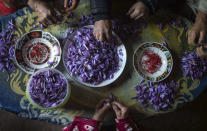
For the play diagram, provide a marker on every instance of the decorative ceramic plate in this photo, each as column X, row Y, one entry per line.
column 122, row 62
column 153, row 61
column 36, row 50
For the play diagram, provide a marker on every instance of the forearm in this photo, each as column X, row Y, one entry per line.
column 201, row 16
column 154, row 5
column 126, row 124
column 101, row 9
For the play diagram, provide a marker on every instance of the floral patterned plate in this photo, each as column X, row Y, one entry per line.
column 36, row 50
column 153, row 61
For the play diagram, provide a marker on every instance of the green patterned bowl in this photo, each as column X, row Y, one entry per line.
column 65, row 100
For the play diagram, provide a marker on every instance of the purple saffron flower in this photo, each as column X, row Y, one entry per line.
column 126, row 28
column 7, row 48
column 48, row 88
column 193, row 66
column 91, row 60
column 70, row 3
column 159, row 96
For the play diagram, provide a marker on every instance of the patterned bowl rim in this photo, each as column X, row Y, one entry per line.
column 135, row 67
column 34, row 70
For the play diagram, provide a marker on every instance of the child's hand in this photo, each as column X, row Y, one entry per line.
column 120, row 110
column 73, row 6
column 45, row 12
column 102, row 30
column 101, row 109
column 137, row 11
column 197, row 34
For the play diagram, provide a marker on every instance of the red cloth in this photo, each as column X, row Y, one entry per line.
column 80, row 124
column 126, row 125
column 5, row 10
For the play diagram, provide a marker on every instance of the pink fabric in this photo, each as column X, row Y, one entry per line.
column 5, row 10
column 126, row 125
column 80, row 124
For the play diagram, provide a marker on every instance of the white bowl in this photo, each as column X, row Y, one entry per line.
column 116, row 74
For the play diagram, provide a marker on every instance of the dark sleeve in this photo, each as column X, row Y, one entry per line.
column 154, row 5
column 101, row 9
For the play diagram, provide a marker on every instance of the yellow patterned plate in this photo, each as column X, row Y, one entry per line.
column 153, row 61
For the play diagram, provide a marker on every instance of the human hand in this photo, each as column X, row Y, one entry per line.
column 202, row 51
column 47, row 14
column 120, row 110
column 71, row 4
column 102, row 30
column 101, row 108
column 137, row 10
column 197, row 33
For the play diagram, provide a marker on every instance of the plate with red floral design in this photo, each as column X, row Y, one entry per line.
column 153, row 61
column 37, row 50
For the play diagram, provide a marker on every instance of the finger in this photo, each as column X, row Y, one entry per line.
column 130, row 10
column 118, row 104
column 55, row 16
column 139, row 16
column 102, row 37
column 199, row 51
column 73, row 6
column 100, row 104
column 44, row 22
column 66, row 3
column 134, row 14
column 108, row 35
column 97, row 36
column 116, row 110
column 49, row 21
column 192, row 38
column 202, row 37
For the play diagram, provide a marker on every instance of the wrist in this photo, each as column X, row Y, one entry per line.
column 96, row 118
column 32, row 4
column 201, row 16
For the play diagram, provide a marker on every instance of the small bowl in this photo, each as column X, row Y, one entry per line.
column 35, row 104
column 117, row 74
column 160, row 50
column 37, row 50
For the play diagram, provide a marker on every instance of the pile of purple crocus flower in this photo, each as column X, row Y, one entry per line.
column 159, row 96
column 7, row 48
column 92, row 60
column 48, row 88
column 193, row 66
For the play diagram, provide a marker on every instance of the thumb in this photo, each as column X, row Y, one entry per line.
column 105, row 108
column 116, row 109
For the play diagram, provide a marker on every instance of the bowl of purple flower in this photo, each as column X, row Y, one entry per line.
column 91, row 62
column 48, row 89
